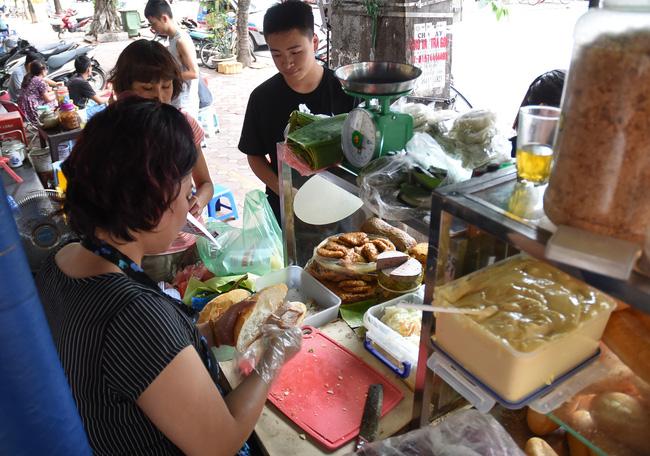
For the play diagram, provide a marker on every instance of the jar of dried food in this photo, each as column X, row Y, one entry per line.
column 601, row 178
column 68, row 117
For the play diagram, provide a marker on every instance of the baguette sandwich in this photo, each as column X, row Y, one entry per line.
column 237, row 318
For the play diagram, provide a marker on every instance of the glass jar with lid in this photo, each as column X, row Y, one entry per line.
column 601, row 177
column 68, row 117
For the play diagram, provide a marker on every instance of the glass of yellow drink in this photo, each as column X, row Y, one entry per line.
column 536, row 131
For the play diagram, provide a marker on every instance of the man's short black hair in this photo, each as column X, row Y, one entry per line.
column 81, row 64
column 292, row 14
column 158, row 8
column 31, row 57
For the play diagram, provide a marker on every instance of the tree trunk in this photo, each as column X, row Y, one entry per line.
column 106, row 18
column 57, row 7
column 32, row 13
column 243, row 50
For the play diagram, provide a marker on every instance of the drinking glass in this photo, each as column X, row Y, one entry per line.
column 535, row 135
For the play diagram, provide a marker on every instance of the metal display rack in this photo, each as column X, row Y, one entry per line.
column 493, row 204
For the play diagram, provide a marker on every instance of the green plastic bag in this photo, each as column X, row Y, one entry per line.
column 255, row 248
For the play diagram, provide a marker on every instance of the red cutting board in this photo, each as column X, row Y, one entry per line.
column 323, row 390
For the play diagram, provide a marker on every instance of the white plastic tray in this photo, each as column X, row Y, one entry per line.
column 303, row 287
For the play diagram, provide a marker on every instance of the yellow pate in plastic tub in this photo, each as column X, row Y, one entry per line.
column 542, row 324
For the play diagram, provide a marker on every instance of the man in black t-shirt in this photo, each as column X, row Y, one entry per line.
column 289, row 32
column 78, row 86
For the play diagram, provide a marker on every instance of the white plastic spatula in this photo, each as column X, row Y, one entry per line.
column 201, row 228
column 484, row 313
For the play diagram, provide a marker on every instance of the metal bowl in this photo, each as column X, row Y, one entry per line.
column 378, row 78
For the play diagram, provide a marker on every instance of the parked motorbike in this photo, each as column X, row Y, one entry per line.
column 205, row 43
column 61, row 66
column 17, row 55
column 69, row 22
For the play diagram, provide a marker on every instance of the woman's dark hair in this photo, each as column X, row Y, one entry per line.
column 546, row 89
column 126, row 168
column 35, row 69
column 145, row 61
column 292, row 14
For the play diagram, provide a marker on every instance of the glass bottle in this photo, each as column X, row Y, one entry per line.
column 601, row 178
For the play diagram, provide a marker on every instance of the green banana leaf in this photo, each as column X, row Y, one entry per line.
column 217, row 285
column 319, row 143
column 299, row 120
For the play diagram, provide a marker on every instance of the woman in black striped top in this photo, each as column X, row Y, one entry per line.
column 134, row 359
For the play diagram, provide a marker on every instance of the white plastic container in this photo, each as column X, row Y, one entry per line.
column 404, row 354
column 304, row 288
column 510, row 373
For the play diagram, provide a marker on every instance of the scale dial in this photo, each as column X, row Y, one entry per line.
column 359, row 138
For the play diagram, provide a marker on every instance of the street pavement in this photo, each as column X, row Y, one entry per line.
column 493, row 64
column 228, row 166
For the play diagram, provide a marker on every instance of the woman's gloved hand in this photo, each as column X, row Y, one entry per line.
column 267, row 355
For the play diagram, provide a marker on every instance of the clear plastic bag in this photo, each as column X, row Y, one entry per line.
column 465, row 433
column 473, row 138
column 270, row 352
column 255, row 248
column 379, row 187
column 426, row 152
column 381, row 181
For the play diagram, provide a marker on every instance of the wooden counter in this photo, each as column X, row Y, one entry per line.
column 279, row 436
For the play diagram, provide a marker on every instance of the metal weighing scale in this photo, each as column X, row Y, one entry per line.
column 374, row 130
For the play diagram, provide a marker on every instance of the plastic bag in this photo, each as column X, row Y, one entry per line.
column 379, row 186
column 255, row 248
column 465, row 433
column 381, row 182
column 428, row 153
column 270, row 352
column 472, row 137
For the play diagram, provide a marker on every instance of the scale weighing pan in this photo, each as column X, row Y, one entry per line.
column 378, row 78
column 374, row 130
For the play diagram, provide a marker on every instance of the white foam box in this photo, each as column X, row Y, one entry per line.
column 510, row 373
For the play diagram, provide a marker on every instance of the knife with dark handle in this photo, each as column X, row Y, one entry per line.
column 371, row 414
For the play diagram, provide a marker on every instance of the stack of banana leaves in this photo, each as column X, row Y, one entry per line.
column 316, row 140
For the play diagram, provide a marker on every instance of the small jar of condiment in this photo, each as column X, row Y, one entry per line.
column 62, row 95
column 68, row 117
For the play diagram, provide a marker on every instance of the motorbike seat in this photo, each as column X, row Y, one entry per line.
column 57, row 61
column 200, row 35
column 58, row 49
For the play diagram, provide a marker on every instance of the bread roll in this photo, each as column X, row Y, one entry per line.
column 215, row 308
column 629, row 338
column 540, row 424
column 576, row 447
column 538, row 447
column 622, row 417
column 249, row 323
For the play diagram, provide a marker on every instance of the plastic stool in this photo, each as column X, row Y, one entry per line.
column 209, row 121
column 215, row 204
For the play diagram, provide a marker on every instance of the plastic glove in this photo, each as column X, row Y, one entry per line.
column 268, row 354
